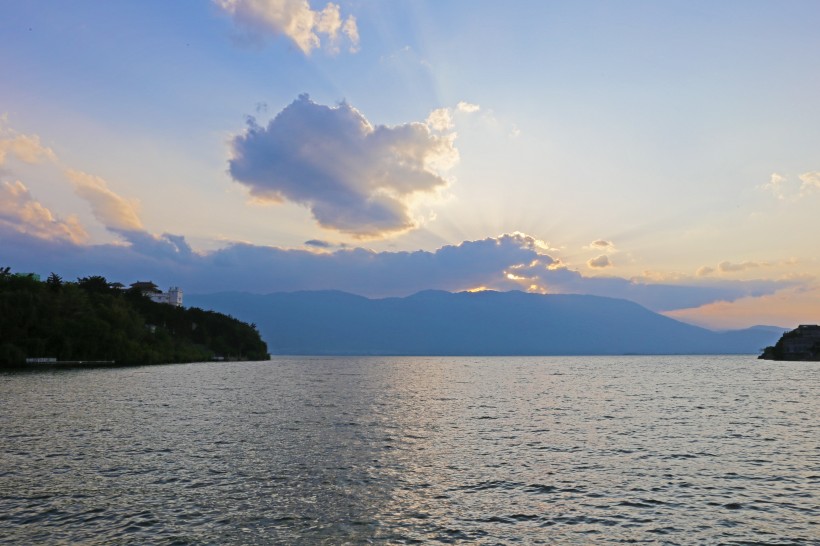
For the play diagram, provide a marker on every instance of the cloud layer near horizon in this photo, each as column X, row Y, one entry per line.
column 513, row 261
column 354, row 177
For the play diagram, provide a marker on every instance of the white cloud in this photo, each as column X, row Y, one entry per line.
column 737, row 267
column 729, row 267
column 113, row 211
column 351, row 30
column 602, row 245
column 810, row 182
column 776, row 185
column 20, row 212
column 649, row 276
column 26, row 148
column 467, row 107
column 296, row 20
column 440, row 119
column 354, row 177
column 704, row 271
column 600, row 262
column 784, row 190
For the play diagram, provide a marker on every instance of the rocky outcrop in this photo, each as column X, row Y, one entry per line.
column 802, row 343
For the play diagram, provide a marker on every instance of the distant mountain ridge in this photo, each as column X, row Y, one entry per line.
column 472, row 323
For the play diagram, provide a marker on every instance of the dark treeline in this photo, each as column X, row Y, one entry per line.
column 92, row 319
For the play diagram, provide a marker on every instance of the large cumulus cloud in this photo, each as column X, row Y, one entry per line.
column 354, row 177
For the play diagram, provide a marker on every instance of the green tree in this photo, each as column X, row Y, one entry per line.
column 95, row 283
column 93, row 320
column 54, row 281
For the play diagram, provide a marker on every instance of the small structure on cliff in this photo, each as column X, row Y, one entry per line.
column 172, row 297
column 802, row 343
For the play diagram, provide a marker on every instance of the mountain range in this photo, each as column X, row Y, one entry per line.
column 472, row 323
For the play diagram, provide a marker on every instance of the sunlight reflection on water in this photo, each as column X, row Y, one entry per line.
column 399, row 450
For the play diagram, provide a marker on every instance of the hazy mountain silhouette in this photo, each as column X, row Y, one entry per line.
column 480, row 323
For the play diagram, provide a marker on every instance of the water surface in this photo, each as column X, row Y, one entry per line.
column 670, row 450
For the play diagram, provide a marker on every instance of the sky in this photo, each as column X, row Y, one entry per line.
column 663, row 152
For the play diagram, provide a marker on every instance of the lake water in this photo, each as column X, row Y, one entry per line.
column 556, row 450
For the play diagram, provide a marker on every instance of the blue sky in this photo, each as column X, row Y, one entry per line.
column 660, row 151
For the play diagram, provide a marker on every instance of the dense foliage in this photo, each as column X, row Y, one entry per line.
column 92, row 319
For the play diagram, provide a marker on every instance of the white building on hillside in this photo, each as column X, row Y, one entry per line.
column 172, row 297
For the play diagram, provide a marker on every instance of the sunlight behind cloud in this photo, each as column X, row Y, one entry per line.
column 296, row 20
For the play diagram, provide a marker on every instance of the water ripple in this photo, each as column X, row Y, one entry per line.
column 671, row 450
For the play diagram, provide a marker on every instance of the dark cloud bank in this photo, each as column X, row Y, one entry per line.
column 168, row 259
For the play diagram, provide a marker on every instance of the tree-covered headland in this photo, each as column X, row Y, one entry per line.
column 802, row 343
column 94, row 319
